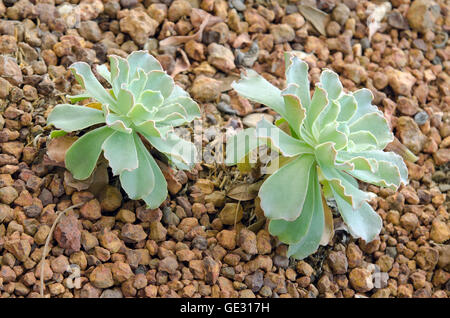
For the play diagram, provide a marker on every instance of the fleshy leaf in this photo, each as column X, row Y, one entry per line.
column 159, row 192
column 120, row 151
column 163, row 112
column 191, row 108
column 176, row 92
column 348, row 107
column 381, row 156
column 377, row 125
column 297, row 73
column 363, row 140
column 363, row 222
column 331, row 83
column 282, row 195
column 325, row 156
column 292, row 232
column 72, row 117
column 161, row 82
column 144, row 61
column 148, row 128
column 311, row 241
column 139, row 114
column 318, row 103
column 117, row 122
column 294, row 111
column 257, row 89
column 125, row 100
column 104, row 72
column 139, row 182
column 331, row 133
column 363, row 99
column 83, row 74
column 119, row 72
column 137, row 84
column 280, row 141
column 82, row 156
column 151, row 99
column 176, row 147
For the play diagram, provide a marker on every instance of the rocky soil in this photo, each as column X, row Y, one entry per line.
column 209, row 238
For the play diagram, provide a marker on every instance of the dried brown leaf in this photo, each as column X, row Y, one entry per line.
column 245, row 191
column 181, row 64
column 316, row 17
column 400, row 149
column 197, row 15
column 328, row 231
column 57, row 148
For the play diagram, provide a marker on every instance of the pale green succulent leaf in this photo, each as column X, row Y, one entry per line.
column 363, row 99
column 104, row 72
column 176, row 92
column 294, row 111
column 116, row 122
column 329, row 81
column 297, row 73
column 137, row 84
column 282, row 195
column 164, row 111
column 318, row 103
column 292, row 232
column 119, row 73
column 328, row 115
column 120, row 151
column 191, row 107
column 348, row 106
column 139, row 114
column 159, row 192
column 151, row 99
column 386, row 175
column 173, row 119
column 175, row 148
column 73, row 117
column 82, row 156
column 377, row 125
column 326, row 157
column 363, row 140
column 362, row 222
column 139, row 182
column 311, row 241
column 161, row 82
column 382, row 156
column 257, row 89
column 280, row 141
column 84, row 76
column 148, row 128
column 125, row 100
column 331, row 133
column 144, row 61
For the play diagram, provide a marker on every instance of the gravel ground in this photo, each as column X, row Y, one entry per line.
column 209, row 238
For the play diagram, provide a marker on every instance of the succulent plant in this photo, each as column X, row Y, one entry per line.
column 331, row 138
column 143, row 101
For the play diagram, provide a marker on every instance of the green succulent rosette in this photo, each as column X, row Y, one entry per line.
column 332, row 139
column 142, row 101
